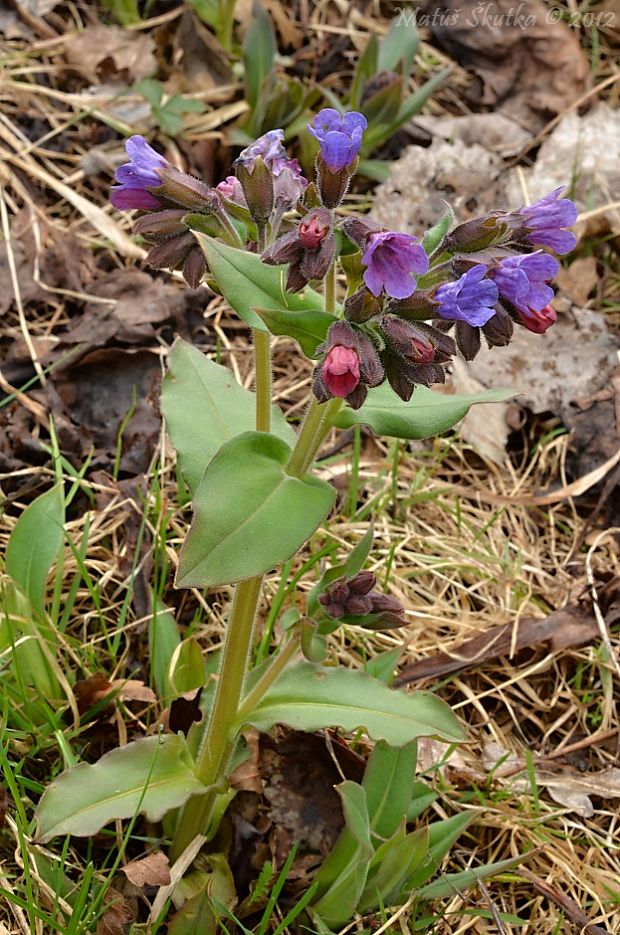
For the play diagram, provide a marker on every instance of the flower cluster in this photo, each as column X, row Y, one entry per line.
column 482, row 278
column 355, row 600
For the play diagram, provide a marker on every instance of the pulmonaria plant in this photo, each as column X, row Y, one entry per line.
column 264, row 239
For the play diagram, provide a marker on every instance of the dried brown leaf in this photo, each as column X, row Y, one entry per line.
column 152, row 870
column 104, row 53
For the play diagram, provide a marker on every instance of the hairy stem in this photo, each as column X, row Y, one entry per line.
column 262, row 358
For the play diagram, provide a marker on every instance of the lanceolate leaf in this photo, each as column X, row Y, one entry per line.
column 427, row 413
column 35, row 543
column 248, row 283
column 250, row 515
column 309, row 697
column 205, row 407
column 152, row 776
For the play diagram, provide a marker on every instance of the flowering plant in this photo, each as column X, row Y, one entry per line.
column 261, row 238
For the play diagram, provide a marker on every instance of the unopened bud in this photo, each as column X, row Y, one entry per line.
column 341, row 370
column 358, row 605
column 184, row 190
column 478, row 233
column 332, row 186
column 359, row 229
column 538, row 322
column 194, row 267
column 362, row 582
column 161, row 223
column 361, row 306
column 257, row 187
column 170, row 253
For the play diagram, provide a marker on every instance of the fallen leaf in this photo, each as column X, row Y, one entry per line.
column 528, row 67
column 578, row 280
column 563, row 629
column 88, row 692
column 134, row 690
column 104, row 53
column 152, row 870
column 246, row 777
column 120, row 912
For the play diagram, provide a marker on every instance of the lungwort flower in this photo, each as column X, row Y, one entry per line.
column 349, row 366
column 340, row 136
column 471, row 298
column 545, row 220
column 524, row 280
column 390, row 259
column 137, row 177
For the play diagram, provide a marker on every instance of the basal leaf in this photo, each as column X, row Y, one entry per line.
column 152, row 776
column 35, row 543
column 248, row 283
column 426, row 414
column 205, row 407
column 250, row 515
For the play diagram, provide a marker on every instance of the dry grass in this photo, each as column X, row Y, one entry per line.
column 460, row 563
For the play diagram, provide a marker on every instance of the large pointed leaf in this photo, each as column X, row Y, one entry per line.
column 454, row 883
column 250, row 515
column 35, row 543
column 205, row 407
column 426, row 414
column 309, row 697
column 248, row 283
column 308, row 326
column 152, row 775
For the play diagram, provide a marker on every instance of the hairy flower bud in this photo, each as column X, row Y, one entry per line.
column 361, row 306
column 350, row 364
column 313, row 230
column 257, row 184
column 341, row 370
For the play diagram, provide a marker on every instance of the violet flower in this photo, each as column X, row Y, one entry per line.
column 340, row 136
column 390, row 259
column 546, row 219
column 471, row 298
column 523, row 280
column 137, row 176
column 267, row 147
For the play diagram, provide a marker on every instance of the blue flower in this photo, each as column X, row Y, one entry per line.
column 390, row 258
column 545, row 220
column 340, row 136
column 523, row 280
column 471, row 298
column 137, row 176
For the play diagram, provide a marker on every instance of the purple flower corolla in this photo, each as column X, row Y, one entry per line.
column 471, row 298
column 390, row 259
column 340, row 136
column 268, row 147
column 523, row 280
column 137, row 176
column 545, row 220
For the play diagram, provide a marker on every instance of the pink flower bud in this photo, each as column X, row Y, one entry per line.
column 341, row 370
column 538, row 322
column 422, row 352
column 312, row 232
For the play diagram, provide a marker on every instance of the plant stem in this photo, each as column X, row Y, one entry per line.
column 217, row 742
column 227, row 19
column 330, row 290
column 284, row 656
column 262, row 359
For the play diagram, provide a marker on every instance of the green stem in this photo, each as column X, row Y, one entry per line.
column 218, row 740
column 227, row 20
column 262, row 358
column 330, row 290
column 284, row 656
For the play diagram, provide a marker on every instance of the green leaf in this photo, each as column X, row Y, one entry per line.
column 187, row 667
column 150, row 89
column 125, row 11
column 438, row 231
column 388, row 781
column 35, row 543
column 164, row 638
column 400, row 44
column 441, row 836
column 342, row 875
column 310, row 697
column 382, row 666
column 356, row 559
column 250, row 515
column 394, row 860
column 205, row 407
column 308, row 327
column 259, row 49
column 376, row 169
column 426, row 414
column 454, row 883
column 150, row 776
column 207, row 10
column 421, row 798
column 366, row 67
column 248, row 283
column 377, row 135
